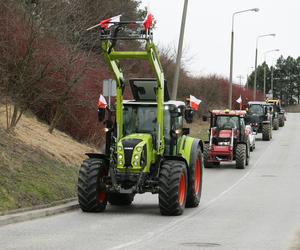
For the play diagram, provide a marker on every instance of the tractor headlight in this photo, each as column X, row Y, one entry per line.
column 120, row 162
column 120, row 148
column 135, row 163
column 139, row 149
column 120, row 157
column 136, row 157
column 225, row 143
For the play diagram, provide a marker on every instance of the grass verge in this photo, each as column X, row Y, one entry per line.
column 29, row 177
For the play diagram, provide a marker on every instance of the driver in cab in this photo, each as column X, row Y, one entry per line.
column 228, row 124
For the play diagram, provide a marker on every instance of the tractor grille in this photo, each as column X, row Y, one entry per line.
column 254, row 119
column 128, row 146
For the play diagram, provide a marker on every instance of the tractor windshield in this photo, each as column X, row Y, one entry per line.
column 143, row 119
column 226, row 122
column 256, row 109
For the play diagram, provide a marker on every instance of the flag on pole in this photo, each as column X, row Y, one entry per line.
column 148, row 21
column 239, row 100
column 194, row 102
column 102, row 104
column 105, row 24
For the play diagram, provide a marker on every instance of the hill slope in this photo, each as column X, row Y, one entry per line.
column 35, row 166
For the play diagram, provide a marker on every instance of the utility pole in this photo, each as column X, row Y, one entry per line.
column 265, row 76
column 272, row 80
column 179, row 51
column 240, row 77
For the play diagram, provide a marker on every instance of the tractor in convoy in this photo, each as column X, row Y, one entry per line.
column 260, row 117
column 228, row 139
column 147, row 147
column 279, row 110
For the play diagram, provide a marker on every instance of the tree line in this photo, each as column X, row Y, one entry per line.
column 285, row 75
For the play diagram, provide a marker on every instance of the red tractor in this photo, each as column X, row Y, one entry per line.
column 228, row 139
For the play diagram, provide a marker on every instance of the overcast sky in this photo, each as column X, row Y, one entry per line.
column 208, row 31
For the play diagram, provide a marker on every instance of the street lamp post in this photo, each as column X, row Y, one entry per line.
column 231, row 53
column 265, row 73
column 255, row 67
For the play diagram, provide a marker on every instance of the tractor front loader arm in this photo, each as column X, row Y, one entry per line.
column 150, row 55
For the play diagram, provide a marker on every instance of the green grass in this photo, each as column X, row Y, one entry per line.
column 199, row 129
column 29, row 177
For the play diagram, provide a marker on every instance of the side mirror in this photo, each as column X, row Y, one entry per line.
column 189, row 115
column 101, row 115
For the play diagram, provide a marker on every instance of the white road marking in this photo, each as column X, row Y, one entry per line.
column 172, row 225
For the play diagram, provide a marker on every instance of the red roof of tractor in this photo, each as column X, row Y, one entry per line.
column 228, row 112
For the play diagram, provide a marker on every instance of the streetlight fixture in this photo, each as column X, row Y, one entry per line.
column 231, row 53
column 265, row 73
column 255, row 67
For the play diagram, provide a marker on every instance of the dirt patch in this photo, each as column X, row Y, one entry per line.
column 57, row 145
column 198, row 129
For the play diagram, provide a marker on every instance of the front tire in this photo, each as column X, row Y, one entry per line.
column 205, row 156
column 172, row 187
column 241, row 156
column 91, row 188
column 266, row 132
column 281, row 121
column 276, row 124
column 195, row 179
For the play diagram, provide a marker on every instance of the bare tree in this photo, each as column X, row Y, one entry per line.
column 23, row 72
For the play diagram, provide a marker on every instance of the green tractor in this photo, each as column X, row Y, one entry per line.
column 147, row 148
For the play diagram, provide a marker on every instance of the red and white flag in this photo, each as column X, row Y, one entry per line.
column 105, row 24
column 102, row 104
column 194, row 102
column 239, row 100
column 148, row 21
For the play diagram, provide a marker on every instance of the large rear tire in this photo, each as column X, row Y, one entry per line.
column 195, row 179
column 172, row 187
column 116, row 199
column 266, row 132
column 241, row 156
column 90, row 188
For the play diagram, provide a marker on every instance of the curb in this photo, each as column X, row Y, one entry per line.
column 36, row 213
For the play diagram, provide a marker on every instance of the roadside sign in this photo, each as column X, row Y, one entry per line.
column 109, row 87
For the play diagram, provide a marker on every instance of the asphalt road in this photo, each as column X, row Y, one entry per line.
column 254, row 208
